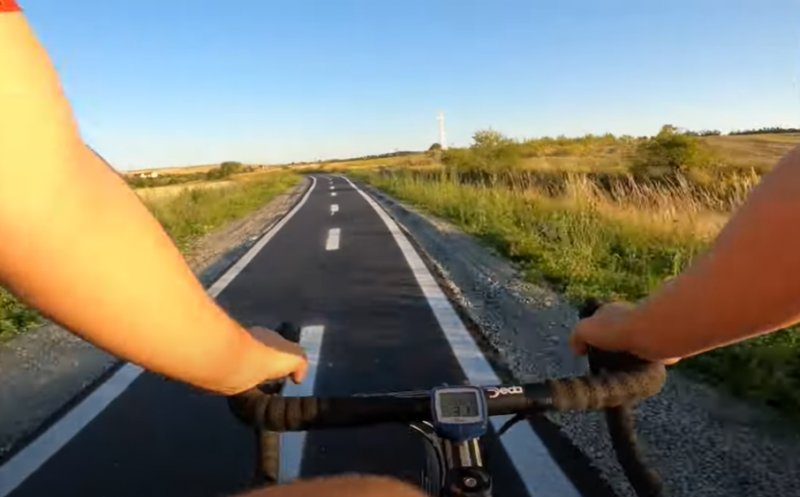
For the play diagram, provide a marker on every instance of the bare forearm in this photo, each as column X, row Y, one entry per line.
column 746, row 285
column 79, row 246
column 93, row 259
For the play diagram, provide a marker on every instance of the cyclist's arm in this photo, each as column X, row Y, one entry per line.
column 746, row 285
column 76, row 243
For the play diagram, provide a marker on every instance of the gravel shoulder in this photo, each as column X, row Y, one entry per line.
column 702, row 441
column 47, row 369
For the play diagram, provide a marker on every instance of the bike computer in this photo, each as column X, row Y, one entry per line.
column 459, row 413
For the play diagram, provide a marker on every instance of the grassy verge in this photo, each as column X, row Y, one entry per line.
column 186, row 216
column 584, row 243
column 194, row 212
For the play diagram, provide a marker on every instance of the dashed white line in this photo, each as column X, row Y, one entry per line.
column 535, row 466
column 17, row 469
column 333, row 187
column 332, row 243
column 334, row 209
column 333, row 194
column 293, row 443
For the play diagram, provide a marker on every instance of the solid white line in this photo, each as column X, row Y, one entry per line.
column 17, row 469
column 535, row 467
column 293, row 443
column 24, row 463
column 334, row 209
column 332, row 243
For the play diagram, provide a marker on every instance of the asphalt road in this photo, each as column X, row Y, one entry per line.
column 341, row 273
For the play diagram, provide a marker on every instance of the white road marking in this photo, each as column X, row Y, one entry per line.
column 535, row 467
column 17, row 469
column 332, row 187
column 293, row 443
column 332, row 243
column 25, row 462
column 333, row 194
column 334, row 209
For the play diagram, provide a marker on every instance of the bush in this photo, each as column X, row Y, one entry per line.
column 490, row 154
column 670, row 153
column 225, row 170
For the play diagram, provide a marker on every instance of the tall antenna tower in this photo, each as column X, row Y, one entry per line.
column 442, row 137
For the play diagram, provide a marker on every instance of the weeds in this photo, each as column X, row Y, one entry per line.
column 15, row 318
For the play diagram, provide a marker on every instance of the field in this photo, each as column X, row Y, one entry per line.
column 186, row 211
column 612, row 218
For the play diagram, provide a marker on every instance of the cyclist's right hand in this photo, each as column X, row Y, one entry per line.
column 611, row 329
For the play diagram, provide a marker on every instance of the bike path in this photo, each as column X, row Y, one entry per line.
column 380, row 334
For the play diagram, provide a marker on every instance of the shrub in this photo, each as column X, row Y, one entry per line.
column 670, row 153
column 490, row 154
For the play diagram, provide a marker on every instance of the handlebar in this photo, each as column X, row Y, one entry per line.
column 602, row 390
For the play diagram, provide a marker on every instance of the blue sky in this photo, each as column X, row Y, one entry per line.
column 185, row 82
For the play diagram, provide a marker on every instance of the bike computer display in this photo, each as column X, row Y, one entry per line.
column 459, row 413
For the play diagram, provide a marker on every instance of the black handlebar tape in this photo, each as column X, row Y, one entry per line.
column 606, row 390
column 622, row 429
column 620, row 419
column 277, row 413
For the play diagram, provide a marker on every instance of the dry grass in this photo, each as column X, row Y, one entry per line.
column 420, row 160
column 163, row 192
column 663, row 208
column 759, row 152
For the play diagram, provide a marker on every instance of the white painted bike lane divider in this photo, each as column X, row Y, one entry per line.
column 332, row 243
column 536, row 468
column 25, row 462
column 293, row 443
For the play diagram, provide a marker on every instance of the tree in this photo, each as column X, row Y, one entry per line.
column 435, row 147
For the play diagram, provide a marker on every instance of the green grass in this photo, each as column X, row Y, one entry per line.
column 193, row 213
column 186, row 217
column 15, row 318
column 586, row 245
column 573, row 247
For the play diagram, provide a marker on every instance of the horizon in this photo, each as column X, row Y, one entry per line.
column 307, row 81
